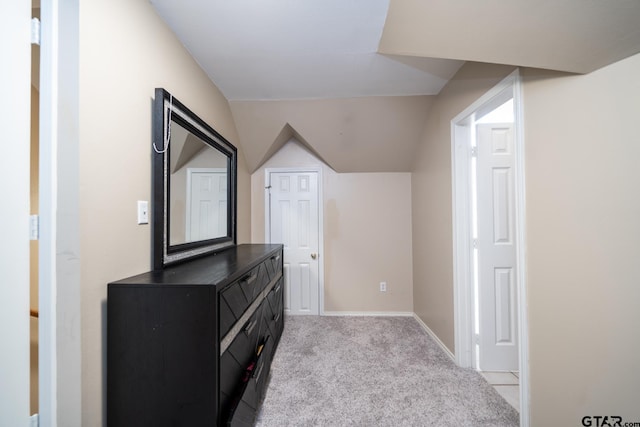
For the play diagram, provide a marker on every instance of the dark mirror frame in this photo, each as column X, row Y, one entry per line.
column 163, row 253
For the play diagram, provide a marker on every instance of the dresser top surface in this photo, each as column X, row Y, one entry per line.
column 217, row 269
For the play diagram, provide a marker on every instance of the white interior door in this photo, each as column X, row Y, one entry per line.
column 207, row 204
column 496, row 245
column 294, row 222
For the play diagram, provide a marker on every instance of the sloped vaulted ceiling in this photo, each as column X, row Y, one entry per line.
column 358, row 76
column 293, row 49
column 577, row 36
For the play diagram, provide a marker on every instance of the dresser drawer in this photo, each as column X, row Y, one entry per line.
column 275, row 301
column 275, row 296
column 274, row 265
column 244, row 406
column 251, row 349
column 239, row 355
column 237, row 297
column 263, row 278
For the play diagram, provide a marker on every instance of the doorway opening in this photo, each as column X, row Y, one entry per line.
column 489, row 236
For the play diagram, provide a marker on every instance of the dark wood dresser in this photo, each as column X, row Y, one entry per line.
column 191, row 345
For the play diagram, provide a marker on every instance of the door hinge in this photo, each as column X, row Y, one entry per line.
column 35, row 420
column 35, row 31
column 474, row 151
column 474, row 243
column 34, row 227
column 476, row 339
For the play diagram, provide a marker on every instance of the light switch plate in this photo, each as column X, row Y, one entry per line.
column 143, row 212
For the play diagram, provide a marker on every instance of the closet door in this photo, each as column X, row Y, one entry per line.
column 294, row 222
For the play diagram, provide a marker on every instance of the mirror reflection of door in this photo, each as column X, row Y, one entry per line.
column 198, row 188
column 206, row 216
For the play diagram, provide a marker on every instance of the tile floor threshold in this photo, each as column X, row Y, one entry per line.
column 507, row 384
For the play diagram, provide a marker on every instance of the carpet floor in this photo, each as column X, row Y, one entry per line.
column 373, row 371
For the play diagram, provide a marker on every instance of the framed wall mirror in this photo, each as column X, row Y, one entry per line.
column 193, row 185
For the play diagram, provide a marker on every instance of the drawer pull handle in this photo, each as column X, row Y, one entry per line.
column 250, row 327
column 277, row 289
column 249, row 279
column 276, row 257
column 276, row 317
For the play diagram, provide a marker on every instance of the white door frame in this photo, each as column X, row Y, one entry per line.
column 59, row 269
column 267, row 220
column 462, row 217
column 59, row 338
column 15, row 86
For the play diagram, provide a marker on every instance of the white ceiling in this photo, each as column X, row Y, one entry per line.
column 292, row 49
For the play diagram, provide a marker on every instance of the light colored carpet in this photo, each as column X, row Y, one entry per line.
column 373, row 371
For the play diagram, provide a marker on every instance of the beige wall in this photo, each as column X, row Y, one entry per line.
column 582, row 227
column 125, row 52
column 583, row 208
column 349, row 134
column 33, row 245
column 431, row 199
column 367, row 233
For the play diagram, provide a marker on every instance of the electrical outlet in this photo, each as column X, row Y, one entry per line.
column 383, row 286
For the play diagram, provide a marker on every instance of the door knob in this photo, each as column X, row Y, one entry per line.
column 314, row 256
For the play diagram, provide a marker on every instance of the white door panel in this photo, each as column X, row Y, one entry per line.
column 294, row 223
column 496, row 248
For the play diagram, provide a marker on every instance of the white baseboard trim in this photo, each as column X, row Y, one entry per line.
column 370, row 313
column 435, row 338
